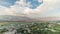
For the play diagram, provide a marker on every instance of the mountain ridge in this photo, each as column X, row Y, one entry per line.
column 25, row 18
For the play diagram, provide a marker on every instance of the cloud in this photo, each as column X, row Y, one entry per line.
column 13, row 10
column 49, row 8
column 7, row 3
column 52, row 8
column 20, row 7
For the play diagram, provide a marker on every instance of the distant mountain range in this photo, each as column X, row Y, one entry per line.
column 49, row 19
column 13, row 18
column 25, row 18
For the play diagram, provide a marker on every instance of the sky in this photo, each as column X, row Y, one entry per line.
column 30, row 8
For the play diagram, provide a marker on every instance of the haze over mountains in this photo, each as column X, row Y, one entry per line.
column 49, row 19
column 25, row 18
column 13, row 18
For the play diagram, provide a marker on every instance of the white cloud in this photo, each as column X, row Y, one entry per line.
column 43, row 10
column 40, row 0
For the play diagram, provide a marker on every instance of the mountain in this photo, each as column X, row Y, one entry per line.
column 49, row 19
column 13, row 18
column 28, row 19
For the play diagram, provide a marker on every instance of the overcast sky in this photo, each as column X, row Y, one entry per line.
column 30, row 8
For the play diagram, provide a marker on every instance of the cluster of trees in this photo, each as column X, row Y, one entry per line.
column 37, row 28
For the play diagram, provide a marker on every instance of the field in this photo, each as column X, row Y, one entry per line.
column 30, row 28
